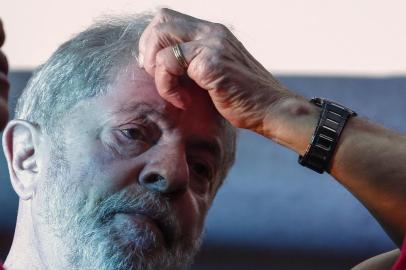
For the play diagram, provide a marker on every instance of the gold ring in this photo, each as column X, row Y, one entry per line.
column 177, row 51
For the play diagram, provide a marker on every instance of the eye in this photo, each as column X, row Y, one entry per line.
column 134, row 134
column 202, row 169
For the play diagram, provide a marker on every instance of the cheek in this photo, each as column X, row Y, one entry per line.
column 105, row 172
column 191, row 212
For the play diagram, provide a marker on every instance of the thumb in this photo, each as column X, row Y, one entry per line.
column 170, row 88
column 168, row 77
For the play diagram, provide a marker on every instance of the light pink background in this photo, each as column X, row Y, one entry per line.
column 355, row 37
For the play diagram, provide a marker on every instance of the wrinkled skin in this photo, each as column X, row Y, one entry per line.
column 241, row 89
column 136, row 180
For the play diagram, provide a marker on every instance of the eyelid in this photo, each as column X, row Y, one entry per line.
column 128, row 136
column 208, row 164
column 148, row 128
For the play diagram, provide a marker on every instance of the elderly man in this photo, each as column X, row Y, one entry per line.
column 116, row 161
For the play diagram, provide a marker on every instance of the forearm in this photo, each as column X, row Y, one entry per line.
column 248, row 96
column 370, row 161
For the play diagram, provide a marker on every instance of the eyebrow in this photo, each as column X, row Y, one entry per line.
column 209, row 145
column 140, row 107
column 143, row 110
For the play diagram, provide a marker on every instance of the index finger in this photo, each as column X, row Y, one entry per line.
column 149, row 47
column 167, row 28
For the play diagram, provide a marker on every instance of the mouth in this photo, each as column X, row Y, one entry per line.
column 158, row 225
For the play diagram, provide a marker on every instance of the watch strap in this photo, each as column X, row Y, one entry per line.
column 324, row 141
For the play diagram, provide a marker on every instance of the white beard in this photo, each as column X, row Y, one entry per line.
column 92, row 242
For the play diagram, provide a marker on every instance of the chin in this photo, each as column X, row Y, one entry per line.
column 137, row 234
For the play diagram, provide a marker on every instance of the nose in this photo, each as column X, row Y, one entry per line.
column 166, row 171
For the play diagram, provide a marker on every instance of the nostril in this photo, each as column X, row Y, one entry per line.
column 152, row 178
column 154, row 181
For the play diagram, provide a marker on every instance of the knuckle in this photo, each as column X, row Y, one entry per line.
column 211, row 66
column 219, row 44
column 220, row 29
column 160, row 59
column 161, row 31
column 212, row 62
column 156, row 29
column 165, row 13
column 159, row 34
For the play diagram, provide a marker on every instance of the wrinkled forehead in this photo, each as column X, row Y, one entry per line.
column 134, row 91
column 133, row 96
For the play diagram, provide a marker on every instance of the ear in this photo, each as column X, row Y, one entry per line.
column 21, row 145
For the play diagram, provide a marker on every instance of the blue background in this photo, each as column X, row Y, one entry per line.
column 272, row 213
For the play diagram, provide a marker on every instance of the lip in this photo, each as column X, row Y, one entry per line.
column 155, row 224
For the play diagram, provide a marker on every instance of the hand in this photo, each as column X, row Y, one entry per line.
column 242, row 90
column 4, row 84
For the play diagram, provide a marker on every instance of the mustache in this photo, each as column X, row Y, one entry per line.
column 139, row 201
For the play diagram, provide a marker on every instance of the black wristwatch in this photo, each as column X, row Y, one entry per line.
column 331, row 123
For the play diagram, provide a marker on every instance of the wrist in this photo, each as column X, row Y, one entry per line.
column 321, row 149
column 290, row 121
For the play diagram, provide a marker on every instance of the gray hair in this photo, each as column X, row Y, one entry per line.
column 81, row 68
column 84, row 67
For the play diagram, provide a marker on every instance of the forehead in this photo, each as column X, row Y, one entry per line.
column 134, row 92
column 133, row 96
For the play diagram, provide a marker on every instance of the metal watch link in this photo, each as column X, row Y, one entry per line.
column 331, row 123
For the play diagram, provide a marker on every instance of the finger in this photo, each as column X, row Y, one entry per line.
column 2, row 34
column 160, row 17
column 168, row 72
column 142, row 44
column 161, row 36
column 171, row 89
column 167, row 28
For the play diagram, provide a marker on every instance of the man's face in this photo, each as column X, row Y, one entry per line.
column 130, row 179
